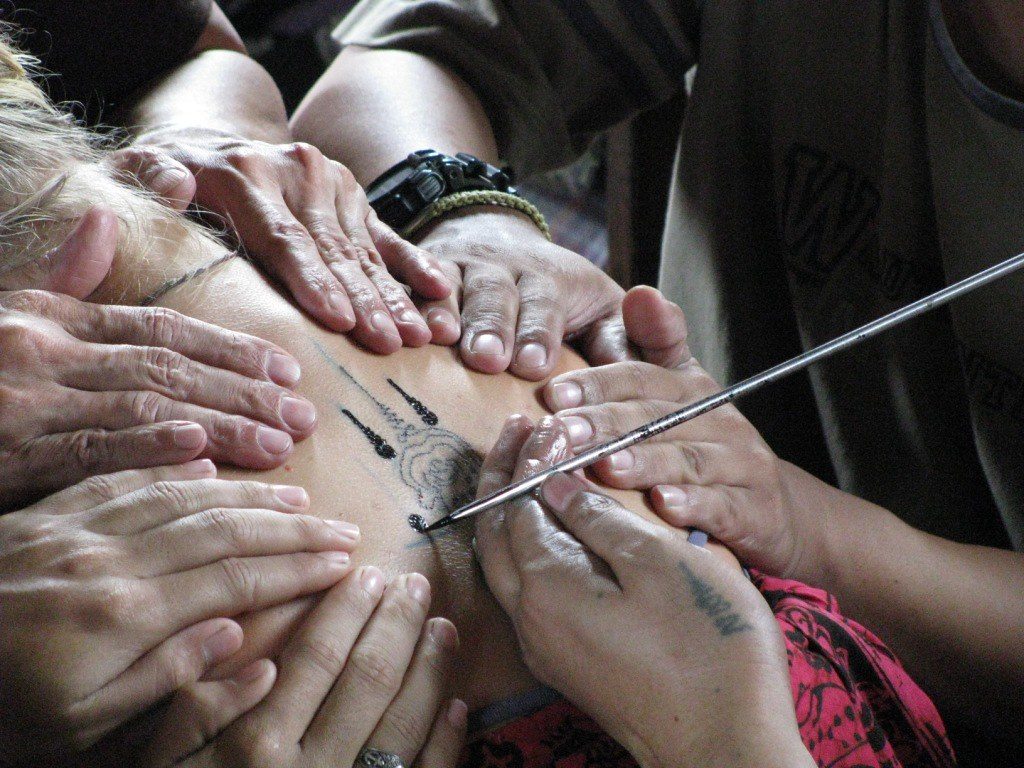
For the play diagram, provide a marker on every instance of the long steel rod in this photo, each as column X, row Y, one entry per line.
column 798, row 363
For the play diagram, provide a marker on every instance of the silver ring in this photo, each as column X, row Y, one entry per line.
column 376, row 758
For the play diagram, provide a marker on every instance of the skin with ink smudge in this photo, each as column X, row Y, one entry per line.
column 417, row 523
column 428, row 416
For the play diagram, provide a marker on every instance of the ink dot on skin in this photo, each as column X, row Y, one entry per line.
column 417, row 523
column 380, row 445
column 426, row 415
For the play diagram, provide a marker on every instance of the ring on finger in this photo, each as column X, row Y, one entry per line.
column 378, row 758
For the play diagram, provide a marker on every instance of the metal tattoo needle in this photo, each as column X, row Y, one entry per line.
column 798, row 363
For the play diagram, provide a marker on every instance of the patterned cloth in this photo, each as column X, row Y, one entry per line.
column 855, row 704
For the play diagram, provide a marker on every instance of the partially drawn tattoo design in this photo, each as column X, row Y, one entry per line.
column 438, row 466
column 714, row 605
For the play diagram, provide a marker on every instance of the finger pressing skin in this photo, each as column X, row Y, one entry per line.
column 234, row 439
column 312, row 660
column 218, row 532
column 201, row 711
column 621, row 382
column 694, row 506
column 446, row 737
column 178, row 661
column 407, row 723
column 240, row 584
column 656, row 326
column 442, row 315
column 54, row 462
column 540, row 329
column 160, row 327
column 161, row 503
column 355, row 244
column 647, row 465
column 272, row 234
column 100, row 489
column 374, row 671
column 375, row 328
column 115, row 367
column 491, row 542
column 490, row 308
column 413, row 265
column 158, row 172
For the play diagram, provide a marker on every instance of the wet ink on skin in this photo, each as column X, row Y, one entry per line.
column 417, row 523
column 380, row 445
column 436, row 464
column 428, row 416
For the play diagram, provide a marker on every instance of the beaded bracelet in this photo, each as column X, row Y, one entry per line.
column 483, row 197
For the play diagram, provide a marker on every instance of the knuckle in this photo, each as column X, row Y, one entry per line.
column 117, row 605
column 89, row 451
column 373, row 668
column 242, row 580
column 85, row 561
column 261, row 744
column 236, row 531
column 324, row 657
column 287, row 233
column 693, row 459
column 306, row 155
column 178, row 496
column 181, row 667
column 104, row 488
column 164, row 327
column 409, row 726
column 170, row 371
column 146, row 407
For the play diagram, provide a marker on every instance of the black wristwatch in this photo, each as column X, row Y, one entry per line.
column 403, row 193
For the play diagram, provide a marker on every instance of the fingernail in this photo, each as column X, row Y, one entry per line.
column 580, row 429
column 418, row 588
column 273, row 441
column 340, row 304
column 200, row 468
column 621, row 461
column 283, row 370
column 532, row 355
column 292, row 495
column 348, row 530
column 300, row 415
column 672, row 498
column 381, row 321
column 558, row 491
column 165, row 179
column 221, row 644
column 567, row 394
column 372, row 581
column 189, row 437
column 444, row 634
column 252, row 672
column 457, row 713
column 411, row 318
column 488, row 344
column 335, row 558
column 440, row 317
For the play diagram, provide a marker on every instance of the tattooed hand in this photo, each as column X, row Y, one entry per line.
column 670, row 649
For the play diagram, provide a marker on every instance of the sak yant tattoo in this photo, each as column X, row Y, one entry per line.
column 727, row 621
column 438, row 466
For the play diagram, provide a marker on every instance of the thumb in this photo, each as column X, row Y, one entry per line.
column 656, row 326
column 79, row 264
column 157, row 171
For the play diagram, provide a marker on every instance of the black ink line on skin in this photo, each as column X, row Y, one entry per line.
column 727, row 621
column 426, row 415
column 380, row 445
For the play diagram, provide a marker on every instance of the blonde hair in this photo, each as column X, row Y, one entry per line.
column 52, row 172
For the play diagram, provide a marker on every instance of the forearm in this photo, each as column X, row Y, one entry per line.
column 372, row 108
column 219, row 91
column 952, row 612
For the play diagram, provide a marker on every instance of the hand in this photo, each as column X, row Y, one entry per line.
column 521, row 295
column 118, row 591
column 714, row 473
column 673, row 652
column 306, row 220
column 363, row 670
column 87, row 389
